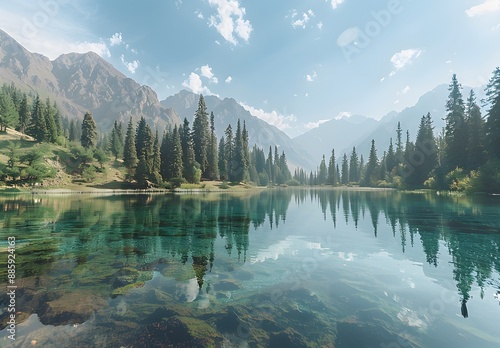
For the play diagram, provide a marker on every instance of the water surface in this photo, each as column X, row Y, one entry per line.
column 279, row 268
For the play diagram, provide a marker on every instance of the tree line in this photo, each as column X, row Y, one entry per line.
column 464, row 156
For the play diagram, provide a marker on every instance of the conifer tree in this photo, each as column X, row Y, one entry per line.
column 50, row 122
column 399, row 145
column 156, row 160
column 331, row 169
column 176, row 165
column 222, row 160
column 322, row 174
column 246, row 150
column 89, row 132
column 492, row 125
column 201, row 135
column 37, row 127
column 166, row 154
column 239, row 166
column 345, row 170
column 475, row 133
column 285, row 171
column 129, row 150
column 354, row 166
column 24, row 114
column 229, row 152
column 455, row 131
column 391, row 161
column 116, row 141
column 269, row 165
column 213, row 161
column 73, row 133
column 371, row 166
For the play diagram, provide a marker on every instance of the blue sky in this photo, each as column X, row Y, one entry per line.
column 292, row 63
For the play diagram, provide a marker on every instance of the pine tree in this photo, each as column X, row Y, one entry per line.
column 285, row 171
column 269, row 165
column 116, row 141
column 475, row 133
column 213, row 161
column 239, row 166
column 322, row 173
column 345, row 170
column 371, row 166
column 156, row 160
column 424, row 158
column 391, row 160
column 9, row 115
column 338, row 175
column 331, row 169
column 455, row 131
column 129, row 150
column 89, row 132
column 201, row 135
column 229, row 152
column 354, row 166
column 166, row 154
column 73, row 133
column 37, row 127
column 399, row 145
column 50, row 122
column 222, row 160
column 176, row 164
column 24, row 114
column 492, row 125
column 246, row 151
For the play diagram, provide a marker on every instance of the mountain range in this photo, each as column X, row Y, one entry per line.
column 86, row 82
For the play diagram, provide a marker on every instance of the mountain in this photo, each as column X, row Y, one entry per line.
column 228, row 111
column 335, row 134
column 81, row 83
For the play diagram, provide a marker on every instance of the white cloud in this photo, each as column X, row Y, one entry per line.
column 206, row 71
column 131, row 66
column 229, row 79
column 310, row 12
column 312, row 125
column 320, row 25
column 382, row 79
column 400, row 59
column 497, row 27
column 199, row 14
column 301, row 22
column 311, row 78
column 115, row 39
column 273, row 118
column 195, row 84
column 225, row 24
column 486, row 7
column 405, row 90
column 335, row 3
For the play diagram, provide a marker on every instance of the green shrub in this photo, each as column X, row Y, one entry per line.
column 224, row 185
column 89, row 174
column 292, row 182
column 263, row 179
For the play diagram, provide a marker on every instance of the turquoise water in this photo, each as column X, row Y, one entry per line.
column 277, row 268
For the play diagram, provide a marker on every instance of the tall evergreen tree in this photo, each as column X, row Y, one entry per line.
column 239, row 166
column 213, row 161
column 116, row 141
column 331, row 169
column 201, row 135
column 391, row 160
column 176, row 164
column 354, row 166
column 492, row 125
column 323, row 172
column 246, row 151
column 37, row 127
column 156, row 160
column 24, row 114
column 371, row 167
column 130, row 159
column 475, row 133
column 269, row 165
column 229, row 152
column 285, row 171
column 455, row 131
column 166, row 154
column 399, row 145
column 222, row 160
column 89, row 132
column 345, row 170
column 50, row 122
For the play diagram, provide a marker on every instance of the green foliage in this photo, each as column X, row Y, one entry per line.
column 292, row 182
column 89, row 174
column 101, row 157
column 89, row 131
column 457, row 180
column 487, row 178
column 37, row 172
column 263, row 179
column 129, row 151
column 201, row 135
column 224, row 185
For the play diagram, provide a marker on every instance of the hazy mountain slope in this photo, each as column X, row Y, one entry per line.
column 80, row 83
column 228, row 111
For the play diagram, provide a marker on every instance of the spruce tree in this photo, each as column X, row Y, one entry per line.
column 37, row 127
column 455, row 131
column 492, row 125
column 166, row 154
column 269, row 165
column 331, row 169
column 50, row 122
column 371, row 167
column 399, row 145
column 213, row 161
column 323, row 172
column 345, row 170
column 391, row 161
column 156, row 160
column 176, row 163
column 89, row 132
column 246, row 151
column 201, row 135
column 475, row 133
column 354, row 166
column 24, row 114
column 129, row 150
column 222, row 160
column 239, row 166
column 229, row 152
column 116, row 141
column 73, row 133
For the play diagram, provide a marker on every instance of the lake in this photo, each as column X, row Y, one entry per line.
column 272, row 268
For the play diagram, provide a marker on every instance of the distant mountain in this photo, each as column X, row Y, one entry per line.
column 433, row 101
column 228, row 111
column 335, row 134
column 80, row 83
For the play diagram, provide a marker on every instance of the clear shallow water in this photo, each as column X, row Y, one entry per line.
column 279, row 268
